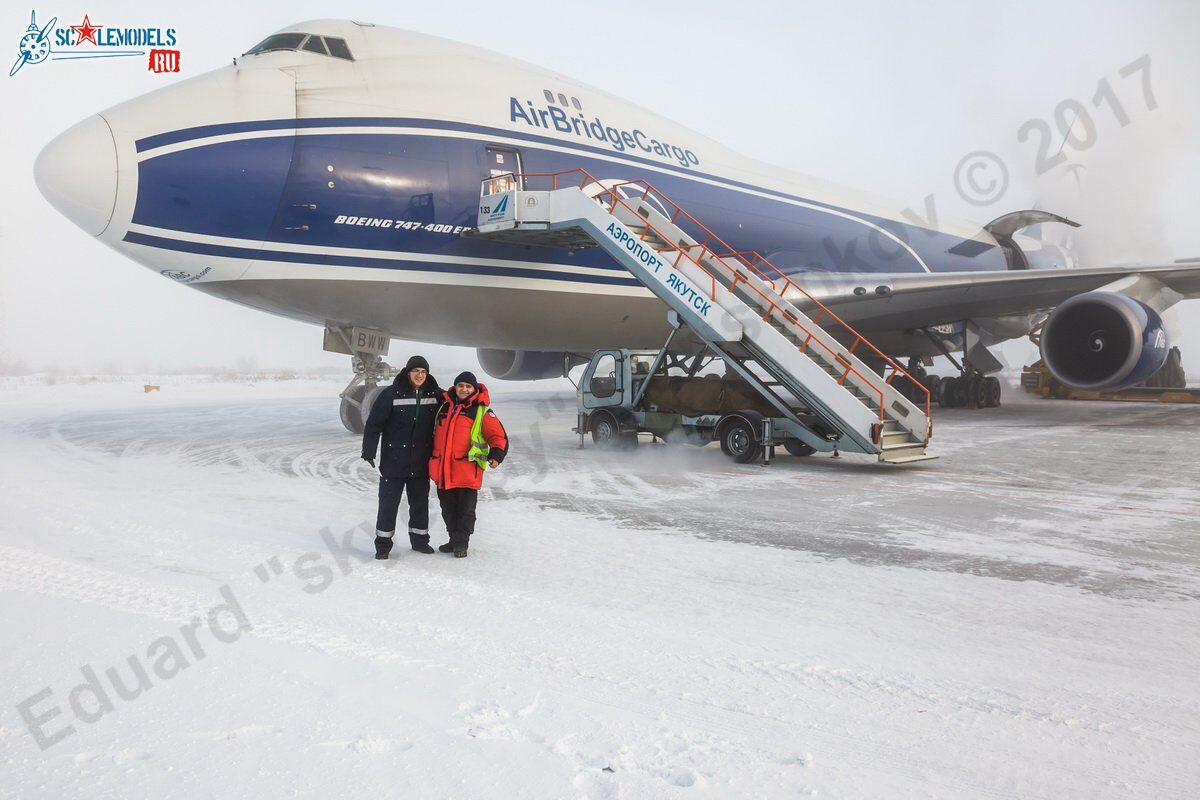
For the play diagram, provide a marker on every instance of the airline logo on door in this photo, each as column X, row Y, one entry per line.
column 496, row 208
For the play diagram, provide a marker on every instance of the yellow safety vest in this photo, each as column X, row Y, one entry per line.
column 479, row 446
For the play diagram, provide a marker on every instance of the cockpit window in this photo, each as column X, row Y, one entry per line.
column 338, row 48
column 278, row 41
column 326, row 46
column 315, row 45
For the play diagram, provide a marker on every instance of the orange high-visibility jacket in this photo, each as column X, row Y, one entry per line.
column 449, row 466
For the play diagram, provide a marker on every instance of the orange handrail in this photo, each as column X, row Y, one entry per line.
column 750, row 260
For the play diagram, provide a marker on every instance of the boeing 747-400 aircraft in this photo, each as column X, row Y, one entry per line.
column 330, row 173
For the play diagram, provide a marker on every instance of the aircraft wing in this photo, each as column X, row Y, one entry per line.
column 913, row 301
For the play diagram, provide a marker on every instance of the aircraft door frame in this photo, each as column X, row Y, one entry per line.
column 500, row 161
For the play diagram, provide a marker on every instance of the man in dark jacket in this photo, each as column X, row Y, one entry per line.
column 403, row 414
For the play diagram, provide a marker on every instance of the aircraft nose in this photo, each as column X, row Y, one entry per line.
column 77, row 173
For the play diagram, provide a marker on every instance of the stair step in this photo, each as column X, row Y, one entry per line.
column 895, row 437
column 904, row 448
column 909, row 459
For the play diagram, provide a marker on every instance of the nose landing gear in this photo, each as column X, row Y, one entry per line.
column 366, row 349
column 371, row 375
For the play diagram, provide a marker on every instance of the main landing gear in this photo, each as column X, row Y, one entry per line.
column 969, row 389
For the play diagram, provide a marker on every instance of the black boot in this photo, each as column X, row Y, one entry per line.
column 460, row 552
column 383, row 546
column 446, row 548
column 420, row 542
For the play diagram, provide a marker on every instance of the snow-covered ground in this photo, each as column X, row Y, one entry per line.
column 1020, row 618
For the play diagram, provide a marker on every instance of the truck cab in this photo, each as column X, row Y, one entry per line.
column 625, row 394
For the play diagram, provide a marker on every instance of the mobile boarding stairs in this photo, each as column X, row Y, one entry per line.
column 735, row 302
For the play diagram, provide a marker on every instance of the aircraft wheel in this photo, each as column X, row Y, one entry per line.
column 979, row 391
column 352, row 418
column 970, row 391
column 933, row 383
column 961, row 391
column 994, row 391
column 945, row 392
column 737, row 441
column 369, row 400
column 798, row 448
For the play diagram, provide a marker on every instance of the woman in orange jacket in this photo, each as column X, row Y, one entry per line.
column 467, row 438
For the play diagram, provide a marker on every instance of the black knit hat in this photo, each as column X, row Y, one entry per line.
column 417, row 361
column 467, row 377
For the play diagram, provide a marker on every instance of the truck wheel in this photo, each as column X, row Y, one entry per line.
column 607, row 435
column 737, row 441
column 798, row 448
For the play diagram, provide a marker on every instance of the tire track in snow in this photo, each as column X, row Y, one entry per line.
column 34, row 573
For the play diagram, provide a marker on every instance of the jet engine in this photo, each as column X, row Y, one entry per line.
column 1103, row 341
column 523, row 365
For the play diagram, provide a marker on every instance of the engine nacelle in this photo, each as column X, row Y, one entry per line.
column 1103, row 341
column 523, row 365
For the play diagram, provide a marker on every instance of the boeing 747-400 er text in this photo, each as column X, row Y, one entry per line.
column 330, row 173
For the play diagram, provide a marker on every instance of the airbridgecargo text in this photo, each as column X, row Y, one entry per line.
column 647, row 256
column 555, row 118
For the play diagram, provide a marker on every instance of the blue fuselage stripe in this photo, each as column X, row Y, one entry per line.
column 329, row 259
column 224, row 129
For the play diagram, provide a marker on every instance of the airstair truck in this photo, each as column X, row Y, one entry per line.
column 808, row 372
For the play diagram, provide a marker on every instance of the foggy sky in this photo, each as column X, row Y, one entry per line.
column 880, row 96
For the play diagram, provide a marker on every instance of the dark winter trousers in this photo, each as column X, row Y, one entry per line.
column 458, row 512
column 390, row 491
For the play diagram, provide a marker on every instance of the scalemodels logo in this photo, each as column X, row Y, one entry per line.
column 555, row 118
column 53, row 42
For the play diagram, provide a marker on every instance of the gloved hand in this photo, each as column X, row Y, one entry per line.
column 370, row 461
